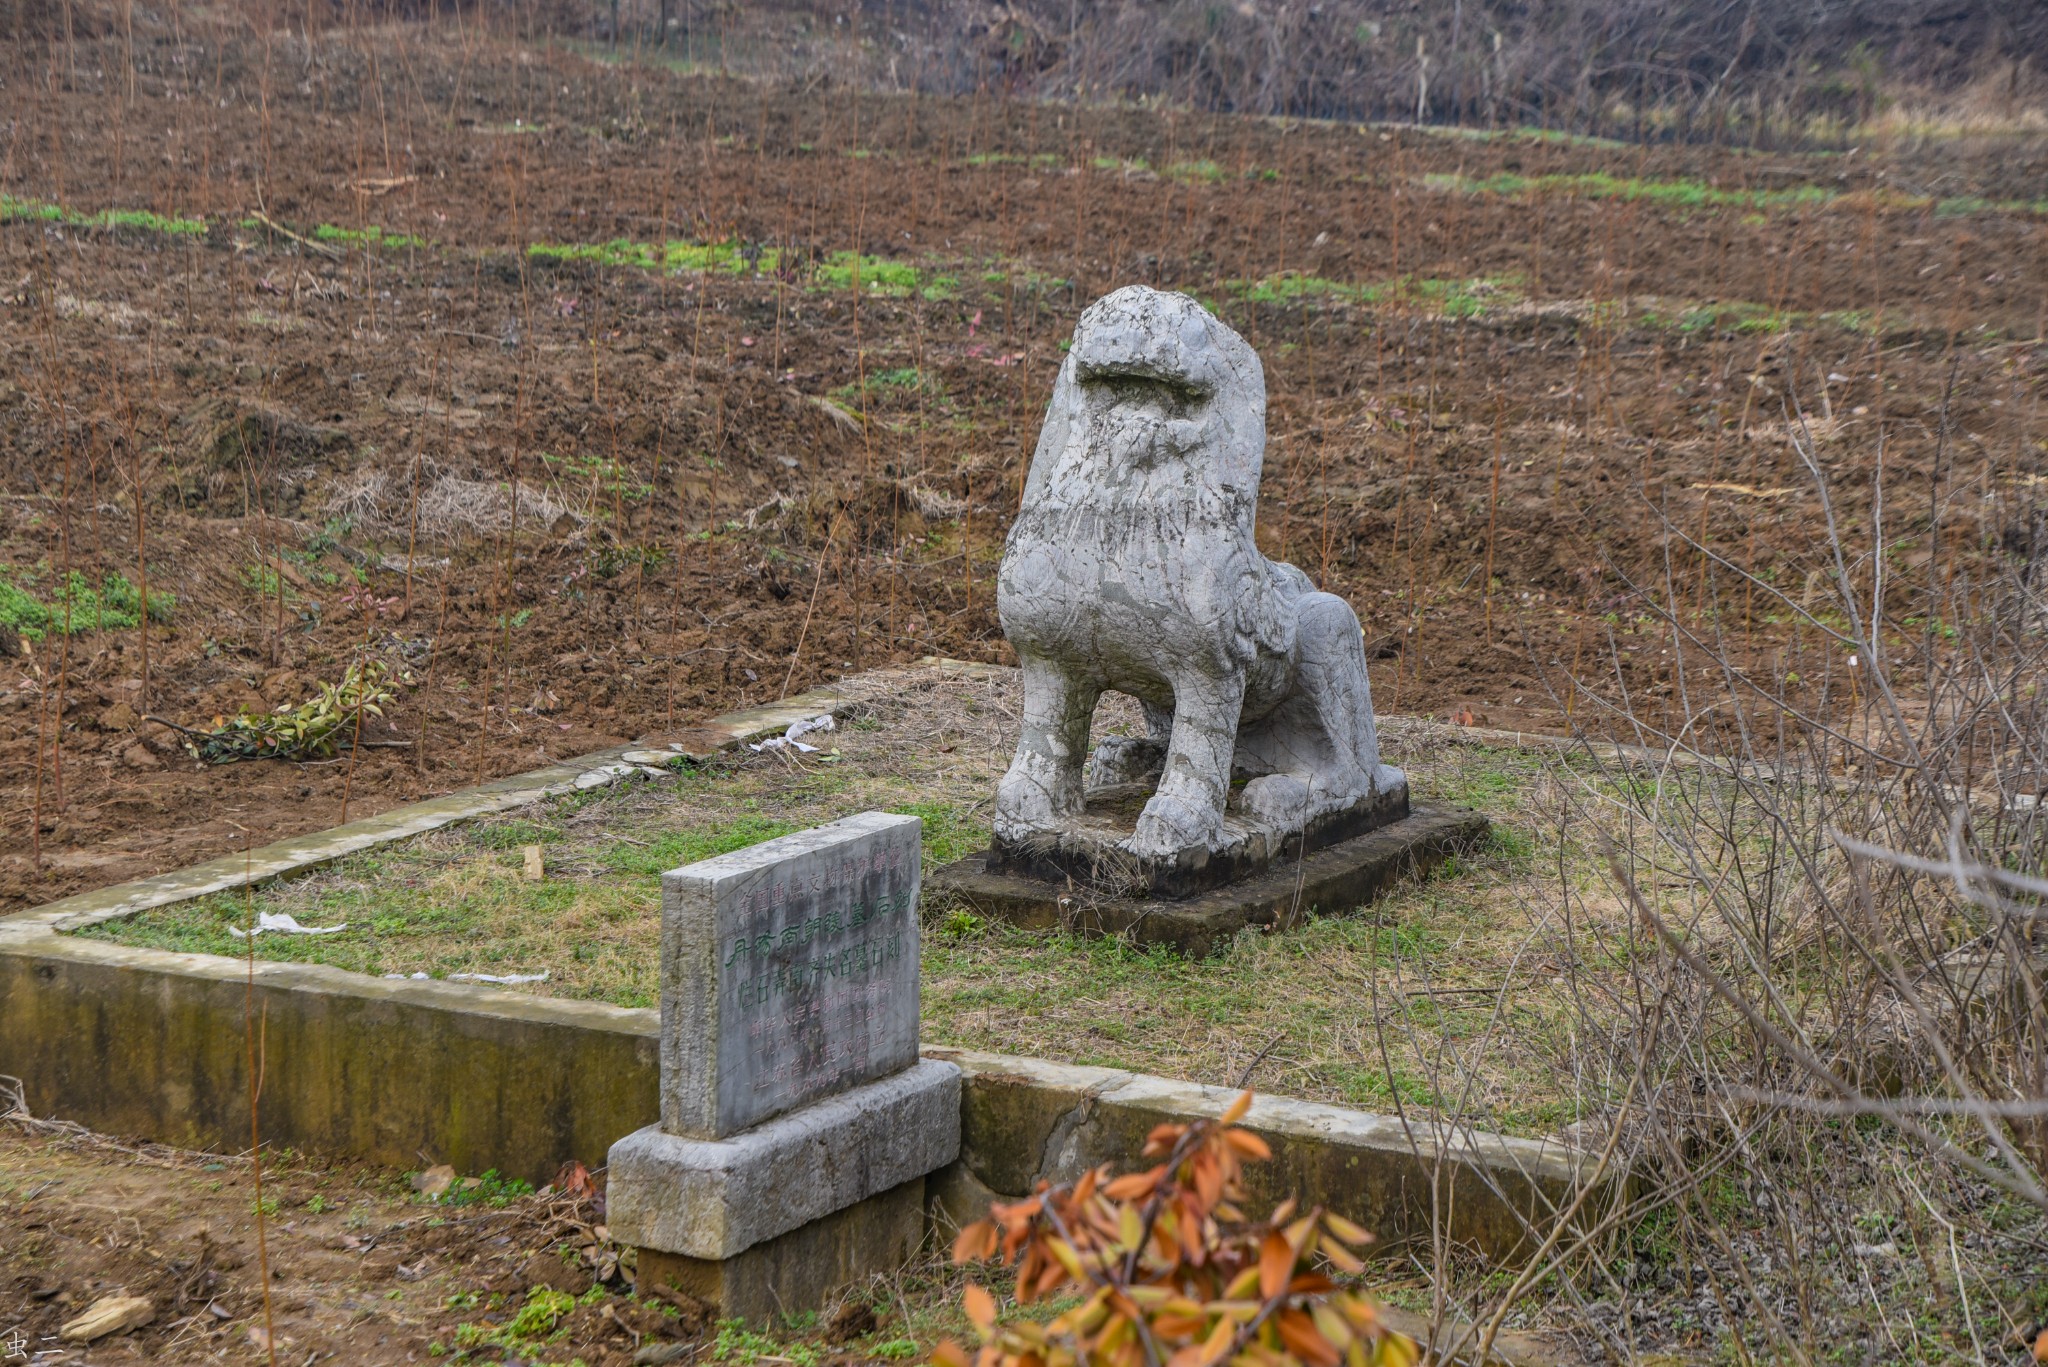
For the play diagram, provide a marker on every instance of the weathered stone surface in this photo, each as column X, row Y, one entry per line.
column 1332, row 881
column 1409, row 1180
column 716, row 1198
column 1131, row 566
column 803, row 1269
column 789, row 972
column 1093, row 849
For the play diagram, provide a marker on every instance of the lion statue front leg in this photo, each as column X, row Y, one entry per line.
column 1043, row 786
column 1186, row 812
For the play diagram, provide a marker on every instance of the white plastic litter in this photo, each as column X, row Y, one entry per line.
column 502, row 979
column 791, row 737
column 410, row 977
column 284, row 923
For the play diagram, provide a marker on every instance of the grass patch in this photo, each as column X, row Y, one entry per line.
column 837, row 271
column 13, row 210
column 74, row 603
column 876, row 275
column 903, row 382
column 1444, row 298
column 1685, row 194
column 1041, row 160
column 1696, row 194
column 371, row 236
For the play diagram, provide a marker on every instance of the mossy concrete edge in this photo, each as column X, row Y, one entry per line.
column 1025, row 1120
column 406, row 1073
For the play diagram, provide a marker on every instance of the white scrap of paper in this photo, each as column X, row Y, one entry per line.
column 501, row 979
column 284, row 923
column 791, row 737
column 410, row 977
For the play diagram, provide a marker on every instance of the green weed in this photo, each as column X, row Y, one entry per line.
column 263, row 581
column 371, row 236
column 140, row 220
column 488, row 1189
column 604, row 475
column 743, row 1347
column 76, row 604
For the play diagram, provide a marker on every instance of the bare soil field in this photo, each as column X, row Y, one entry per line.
column 591, row 397
column 362, row 1268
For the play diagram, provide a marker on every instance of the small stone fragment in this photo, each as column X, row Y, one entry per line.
column 109, row 1315
column 434, row 1180
column 536, row 871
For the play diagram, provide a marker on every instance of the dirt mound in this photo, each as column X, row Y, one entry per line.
column 256, row 458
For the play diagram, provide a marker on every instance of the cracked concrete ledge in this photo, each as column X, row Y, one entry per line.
column 298, row 852
column 1027, row 1120
column 149, row 1043
column 144, row 1042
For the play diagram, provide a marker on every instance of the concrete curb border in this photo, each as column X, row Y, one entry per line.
column 406, row 1073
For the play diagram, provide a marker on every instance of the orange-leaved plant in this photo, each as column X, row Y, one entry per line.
column 1170, row 1271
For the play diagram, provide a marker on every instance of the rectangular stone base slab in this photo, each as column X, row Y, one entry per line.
column 1090, row 853
column 1330, row 881
column 804, row 1269
column 716, row 1198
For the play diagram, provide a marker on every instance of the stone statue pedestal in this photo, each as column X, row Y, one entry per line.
column 1092, row 850
column 1085, row 883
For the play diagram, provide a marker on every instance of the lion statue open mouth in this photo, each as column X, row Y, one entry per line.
column 1131, row 567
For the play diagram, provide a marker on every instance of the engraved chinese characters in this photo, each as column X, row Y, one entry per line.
column 789, row 973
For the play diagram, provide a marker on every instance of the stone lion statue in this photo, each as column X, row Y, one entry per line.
column 1131, row 567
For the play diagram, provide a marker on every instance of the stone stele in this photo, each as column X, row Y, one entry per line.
column 795, row 1112
column 1131, row 566
column 788, row 973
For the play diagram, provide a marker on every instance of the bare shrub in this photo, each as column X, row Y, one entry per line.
column 1830, row 1074
column 1615, row 66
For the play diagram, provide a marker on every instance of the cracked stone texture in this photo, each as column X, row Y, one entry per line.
column 716, row 1198
column 1411, row 1179
column 1131, row 567
column 789, row 972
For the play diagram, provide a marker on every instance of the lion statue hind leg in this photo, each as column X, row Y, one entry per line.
column 1133, row 759
column 1317, row 751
